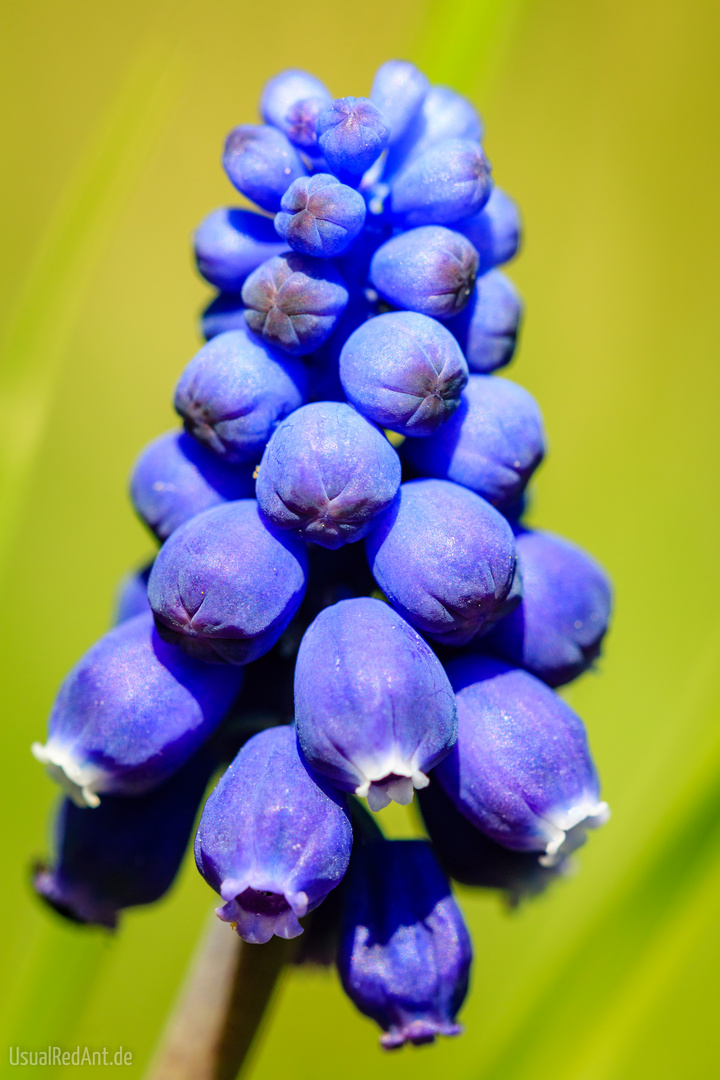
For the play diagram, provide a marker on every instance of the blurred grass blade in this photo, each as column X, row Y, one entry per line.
column 50, row 300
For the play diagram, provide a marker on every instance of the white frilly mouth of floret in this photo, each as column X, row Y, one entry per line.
column 80, row 781
column 390, row 779
column 256, row 928
column 565, row 827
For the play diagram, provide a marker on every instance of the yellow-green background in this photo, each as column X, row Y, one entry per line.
column 602, row 120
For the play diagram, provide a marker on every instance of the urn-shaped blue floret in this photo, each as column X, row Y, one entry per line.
column 293, row 302
column 445, row 114
column 262, row 163
column 521, row 769
column 373, row 706
column 131, row 712
column 448, row 181
column 405, row 952
column 352, row 134
column 398, row 91
column 320, row 216
column 225, row 585
column 487, row 329
column 126, row 852
column 284, row 91
column 273, row 839
column 445, row 558
column 556, row 632
column 404, row 371
column 176, row 477
column 492, row 444
column 131, row 598
column 231, row 243
column 495, row 231
column 431, row 270
column 235, row 391
column 326, row 474
column 225, row 312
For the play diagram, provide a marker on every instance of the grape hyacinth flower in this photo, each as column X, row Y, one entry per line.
column 234, row 392
column 225, row 311
column 319, row 216
column 273, row 839
column 284, row 91
column 130, row 713
column 226, row 584
column 487, row 329
column 231, row 243
column 326, row 474
column 398, row 92
column 493, row 443
column 405, row 952
column 449, row 181
column 403, row 371
column 521, row 769
column 131, row 598
column 176, row 478
column 445, row 559
column 262, row 163
column 494, row 231
column 431, row 270
column 293, row 302
column 352, row 134
column 373, row 706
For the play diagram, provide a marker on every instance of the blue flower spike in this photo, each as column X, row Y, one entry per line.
column 352, row 134
column 404, row 371
column 488, row 327
column 176, row 477
column 373, row 706
column 445, row 559
column 230, row 243
column 273, row 839
column 326, row 474
column 521, row 769
column 235, row 391
column 493, row 443
column 320, row 216
column 405, row 952
column 293, row 302
column 226, row 584
column 449, row 181
column 431, row 270
column 557, row 630
column 262, row 163
column 130, row 713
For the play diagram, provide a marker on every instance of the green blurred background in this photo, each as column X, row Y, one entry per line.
column 602, row 120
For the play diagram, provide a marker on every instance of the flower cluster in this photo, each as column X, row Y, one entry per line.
column 346, row 393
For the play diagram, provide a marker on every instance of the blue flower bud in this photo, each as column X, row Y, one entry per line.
column 447, row 182
column 492, row 444
column 405, row 952
column 352, row 134
column 262, row 163
column 230, row 244
column 373, row 707
column 521, row 769
column 472, row 858
column 130, row 713
column 495, row 231
column 294, row 302
column 273, row 840
column 176, row 477
column 557, row 630
column 444, row 558
column 404, row 371
column 444, row 114
column 235, row 391
column 131, row 598
column 326, row 474
column 398, row 91
column 225, row 312
column 284, row 91
column 126, row 852
column 487, row 329
column 320, row 216
column 430, row 270
column 225, row 585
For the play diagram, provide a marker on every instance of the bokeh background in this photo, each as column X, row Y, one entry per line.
column 602, row 120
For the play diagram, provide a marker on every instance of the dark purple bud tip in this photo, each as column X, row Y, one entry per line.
column 262, row 163
column 352, row 134
column 431, row 270
column 320, row 216
column 294, row 302
column 301, row 124
column 404, row 371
